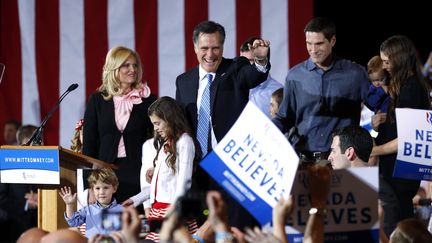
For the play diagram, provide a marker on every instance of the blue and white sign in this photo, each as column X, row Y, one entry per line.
column 352, row 207
column 254, row 162
column 29, row 166
column 414, row 158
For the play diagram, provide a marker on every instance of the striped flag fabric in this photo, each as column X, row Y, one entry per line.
column 47, row 45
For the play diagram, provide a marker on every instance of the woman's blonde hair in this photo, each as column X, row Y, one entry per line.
column 115, row 58
column 76, row 145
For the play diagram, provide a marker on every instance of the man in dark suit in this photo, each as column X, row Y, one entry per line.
column 230, row 82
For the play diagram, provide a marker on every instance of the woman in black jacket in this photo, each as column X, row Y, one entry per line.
column 407, row 89
column 116, row 121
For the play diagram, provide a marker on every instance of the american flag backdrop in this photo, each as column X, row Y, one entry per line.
column 46, row 45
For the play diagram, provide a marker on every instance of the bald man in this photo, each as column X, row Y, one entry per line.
column 32, row 235
column 64, row 236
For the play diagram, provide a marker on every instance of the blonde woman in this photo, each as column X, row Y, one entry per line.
column 116, row 121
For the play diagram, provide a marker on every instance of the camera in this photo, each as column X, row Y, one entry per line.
column 111, row 221
column 425, row 202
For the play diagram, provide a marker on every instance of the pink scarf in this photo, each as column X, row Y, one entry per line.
column 122, row 109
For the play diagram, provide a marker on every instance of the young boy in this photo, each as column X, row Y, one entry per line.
column 377, row 97
column 275, row 101
column 103, row 182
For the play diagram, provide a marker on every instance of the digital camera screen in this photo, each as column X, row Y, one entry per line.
column 111, row 221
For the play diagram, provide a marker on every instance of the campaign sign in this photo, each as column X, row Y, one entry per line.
column 29, row 166
column 254, row 162
column 352, row 207
column 414, row 157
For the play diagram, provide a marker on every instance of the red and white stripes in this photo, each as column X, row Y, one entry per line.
column 48, row 45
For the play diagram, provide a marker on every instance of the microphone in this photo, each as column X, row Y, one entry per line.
column 36, row 138
column 72, row 87
column 2, row 68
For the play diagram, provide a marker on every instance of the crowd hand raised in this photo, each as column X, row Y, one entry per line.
column 32, row 199
column 169, row 225
column 131, row 225
column 67, row 196
column 96, row 238
column 238, row 235
column 217, row 211
column 149, row 175
column 319, row 184
column 280, row 213
column 282, row 210
column 260, row 48
column 259, row 236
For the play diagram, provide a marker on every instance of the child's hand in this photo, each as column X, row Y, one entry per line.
column 127, row 203
column 67, row 196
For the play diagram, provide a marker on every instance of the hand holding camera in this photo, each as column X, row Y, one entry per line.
column 120, row 226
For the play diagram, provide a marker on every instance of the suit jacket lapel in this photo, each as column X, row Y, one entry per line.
column 220, row 75
column 192, row 87
column 194, row 84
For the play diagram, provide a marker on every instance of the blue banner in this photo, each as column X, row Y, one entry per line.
column 414, row 171
column 254, row 162
column 38, row 159
column 213, row 164
column 360, row 236
column 414, row 141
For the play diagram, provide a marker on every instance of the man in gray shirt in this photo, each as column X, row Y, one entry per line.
column 320, row 94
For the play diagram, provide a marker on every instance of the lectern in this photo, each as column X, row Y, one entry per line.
column 51, row 207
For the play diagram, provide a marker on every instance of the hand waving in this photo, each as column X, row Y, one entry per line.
column 66, row 194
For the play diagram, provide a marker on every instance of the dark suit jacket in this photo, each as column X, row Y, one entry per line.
column 101, row 138
column 229, row 92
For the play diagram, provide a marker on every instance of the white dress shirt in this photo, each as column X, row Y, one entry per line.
column 201, row 86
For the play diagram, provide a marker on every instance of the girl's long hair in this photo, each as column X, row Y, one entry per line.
column 167, row 109
column 404, row 63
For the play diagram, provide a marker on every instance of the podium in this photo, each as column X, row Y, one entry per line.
column 51, row 206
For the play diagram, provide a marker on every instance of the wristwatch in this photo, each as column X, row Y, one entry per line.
column 318, row 211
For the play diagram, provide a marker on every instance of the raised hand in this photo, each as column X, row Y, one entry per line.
column 282, row 210
column 32, row 199
column 67, row 196
column 260, row 49
column 217, row 211
column 259, row 236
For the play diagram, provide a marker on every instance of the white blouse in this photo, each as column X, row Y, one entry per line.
column 170, row 186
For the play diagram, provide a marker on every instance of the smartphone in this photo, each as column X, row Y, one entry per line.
column 111, row 221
